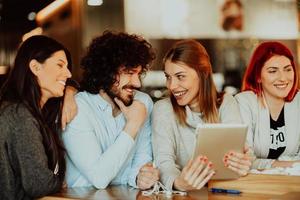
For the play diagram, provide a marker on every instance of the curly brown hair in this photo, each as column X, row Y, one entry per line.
column 107, row 53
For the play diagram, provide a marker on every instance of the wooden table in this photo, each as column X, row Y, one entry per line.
column 261, row 184
column 127, row 193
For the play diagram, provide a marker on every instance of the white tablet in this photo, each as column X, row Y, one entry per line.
column 214, row 140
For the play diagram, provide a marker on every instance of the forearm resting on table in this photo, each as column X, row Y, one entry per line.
column 278, row 163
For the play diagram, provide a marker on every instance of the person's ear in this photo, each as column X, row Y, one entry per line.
column 34, row 66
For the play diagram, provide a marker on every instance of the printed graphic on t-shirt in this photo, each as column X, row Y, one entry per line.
column 278, row 142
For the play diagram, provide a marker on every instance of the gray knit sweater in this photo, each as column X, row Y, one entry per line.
column 24, row 172
column 174, row 144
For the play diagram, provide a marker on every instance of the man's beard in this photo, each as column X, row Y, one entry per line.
column 112, row 93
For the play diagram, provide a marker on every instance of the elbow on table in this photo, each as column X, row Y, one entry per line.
column 41, row 190
column 100, row 178
column 100, row 184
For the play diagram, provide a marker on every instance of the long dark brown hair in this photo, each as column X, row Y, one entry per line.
column 21, row 87
column 194, row 55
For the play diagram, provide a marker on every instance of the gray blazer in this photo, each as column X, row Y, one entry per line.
column 173, row 144
column 258, row 119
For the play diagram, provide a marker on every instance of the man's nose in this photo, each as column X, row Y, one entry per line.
column 136, row 81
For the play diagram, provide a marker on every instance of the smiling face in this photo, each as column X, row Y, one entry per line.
column 183, row 83
column 277, row 77
column 127, row 82
column 52, row 75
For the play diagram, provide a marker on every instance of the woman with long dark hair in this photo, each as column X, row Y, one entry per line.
column 193, row 100
column 270, row 105
column 32, row 160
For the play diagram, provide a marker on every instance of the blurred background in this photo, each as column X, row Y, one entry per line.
column 229, row 29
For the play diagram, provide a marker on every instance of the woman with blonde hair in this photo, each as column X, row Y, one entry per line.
column 193, row 100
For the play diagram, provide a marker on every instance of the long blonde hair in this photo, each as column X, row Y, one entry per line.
column 194, row 55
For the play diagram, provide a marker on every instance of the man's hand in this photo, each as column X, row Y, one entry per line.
column 69, row 109
column 147, row 176
column 135, row 115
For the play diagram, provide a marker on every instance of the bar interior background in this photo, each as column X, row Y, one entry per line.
column 229, row 29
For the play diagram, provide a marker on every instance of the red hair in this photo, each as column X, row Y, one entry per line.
column 261, row 55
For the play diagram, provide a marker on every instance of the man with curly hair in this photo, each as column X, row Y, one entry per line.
column 109, row 141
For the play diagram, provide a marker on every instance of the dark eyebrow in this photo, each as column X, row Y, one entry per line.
column 176, row 74
column 272, row 67
column 179, row 73
column 133, row 70
column 287, row 66
column 62, row 61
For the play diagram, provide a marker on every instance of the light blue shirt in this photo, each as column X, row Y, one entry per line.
column 99, row 152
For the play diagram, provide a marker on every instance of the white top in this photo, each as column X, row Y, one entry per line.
column 258, row 119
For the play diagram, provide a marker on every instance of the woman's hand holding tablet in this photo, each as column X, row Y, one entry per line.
column 222, row 142
column 195, row 174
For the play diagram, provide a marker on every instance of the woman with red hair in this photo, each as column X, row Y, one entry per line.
column 270, row 105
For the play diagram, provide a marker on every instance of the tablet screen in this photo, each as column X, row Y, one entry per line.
column 215, row 140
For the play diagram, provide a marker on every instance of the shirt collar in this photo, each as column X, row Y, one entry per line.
column 193, row 118
column 100, row 101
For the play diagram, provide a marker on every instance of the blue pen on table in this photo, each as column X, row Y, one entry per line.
column 220, row 190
